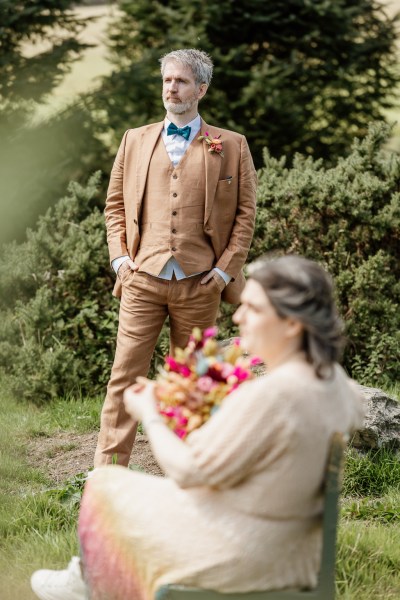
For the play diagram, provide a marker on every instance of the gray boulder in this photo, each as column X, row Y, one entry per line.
column 382, row 421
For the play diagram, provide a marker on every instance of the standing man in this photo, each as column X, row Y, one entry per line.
column 180, row 214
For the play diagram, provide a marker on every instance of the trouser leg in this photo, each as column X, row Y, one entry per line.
column 191, row 304
column 142, row 313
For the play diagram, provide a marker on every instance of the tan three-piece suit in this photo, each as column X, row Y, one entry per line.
column 201, row 212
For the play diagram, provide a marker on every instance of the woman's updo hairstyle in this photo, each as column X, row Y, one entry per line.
column 300, row 288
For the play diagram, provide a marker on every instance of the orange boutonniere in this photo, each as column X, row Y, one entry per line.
column 214, row 143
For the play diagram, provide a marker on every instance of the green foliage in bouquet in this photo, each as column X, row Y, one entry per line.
column 348, row 219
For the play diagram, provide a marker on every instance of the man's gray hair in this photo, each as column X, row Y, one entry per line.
column 200, row 63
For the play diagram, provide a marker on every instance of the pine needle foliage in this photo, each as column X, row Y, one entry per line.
column 293, row 75
column 58, row 319
column 58, row 322
column 347, row 217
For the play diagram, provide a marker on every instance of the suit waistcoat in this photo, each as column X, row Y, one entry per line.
column 172, row 213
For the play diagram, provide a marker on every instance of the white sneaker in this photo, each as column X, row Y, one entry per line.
column 60, row 585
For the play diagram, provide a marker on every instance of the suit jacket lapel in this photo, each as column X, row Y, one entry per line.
column 148, row 141
column 212, row 164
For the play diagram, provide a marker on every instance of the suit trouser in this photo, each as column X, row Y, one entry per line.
column 146, row 301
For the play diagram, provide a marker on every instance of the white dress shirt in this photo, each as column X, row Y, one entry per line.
column 176, row 146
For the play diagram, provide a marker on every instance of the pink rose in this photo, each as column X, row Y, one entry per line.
column 172, row 364
column 240, row 373
column 181, row 433
column 177, row 367
column 256, row 360
column 205, row 384
column 185, row 371
column 210, row 332
column 227, row 370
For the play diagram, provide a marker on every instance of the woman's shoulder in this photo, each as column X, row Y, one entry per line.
column 288, row 376
column 298, row 378
column 284, row 382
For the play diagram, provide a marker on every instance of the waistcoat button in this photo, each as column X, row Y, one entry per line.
column 174, row 231
column 174, row 194
column 175, row 176
column 174, row 213
column 173, row 249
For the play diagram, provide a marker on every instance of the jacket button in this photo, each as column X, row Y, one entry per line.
column 173, row 249
column 174, row 231
column 174, row 213
column 175, row 176
column 134, row 220
column 174, row 194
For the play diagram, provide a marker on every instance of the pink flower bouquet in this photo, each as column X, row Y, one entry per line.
column 193, row 382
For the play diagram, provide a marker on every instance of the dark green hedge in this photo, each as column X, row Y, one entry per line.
column 58, row 319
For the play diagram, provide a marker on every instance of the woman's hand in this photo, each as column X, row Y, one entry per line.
column 172, row 454
column 140, row 401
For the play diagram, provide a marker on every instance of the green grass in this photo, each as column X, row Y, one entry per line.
column 371, row 474
column 393, row 391
column 368, row 561
column 38, row 524
column 383, row 510
column 80, row 415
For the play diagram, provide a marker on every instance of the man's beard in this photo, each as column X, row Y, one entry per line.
column 179, row 108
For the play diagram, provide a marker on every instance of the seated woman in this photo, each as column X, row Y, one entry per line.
column 240, row 506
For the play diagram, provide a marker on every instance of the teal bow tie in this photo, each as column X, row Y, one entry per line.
column 184, row 131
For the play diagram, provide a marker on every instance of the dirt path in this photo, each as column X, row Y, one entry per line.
column 65, row 454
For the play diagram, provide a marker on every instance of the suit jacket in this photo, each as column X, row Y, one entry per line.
column 230, row 199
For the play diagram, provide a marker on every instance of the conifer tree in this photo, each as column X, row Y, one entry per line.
column 27, row 76
column 346, row 217
column 38, row 160
column 292, row 75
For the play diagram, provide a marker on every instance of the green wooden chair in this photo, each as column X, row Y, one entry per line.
column 326, row 584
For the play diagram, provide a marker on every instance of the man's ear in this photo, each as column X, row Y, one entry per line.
column 202, row 90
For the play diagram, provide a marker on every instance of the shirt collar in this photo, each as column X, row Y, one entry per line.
column 195, row 124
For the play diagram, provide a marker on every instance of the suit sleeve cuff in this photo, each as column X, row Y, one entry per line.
column 224, row 275
column 117, row 262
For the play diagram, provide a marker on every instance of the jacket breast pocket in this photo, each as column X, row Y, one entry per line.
column 227, row 183
column 226, row 197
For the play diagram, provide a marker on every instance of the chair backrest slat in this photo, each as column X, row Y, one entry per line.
column 333, row 482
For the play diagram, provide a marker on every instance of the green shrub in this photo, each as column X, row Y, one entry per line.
column 58, row 318
column 347, row 218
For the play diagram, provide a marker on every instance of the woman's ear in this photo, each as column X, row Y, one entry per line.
column 294, row 328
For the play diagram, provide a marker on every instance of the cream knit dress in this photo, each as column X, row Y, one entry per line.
column 255, row 525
